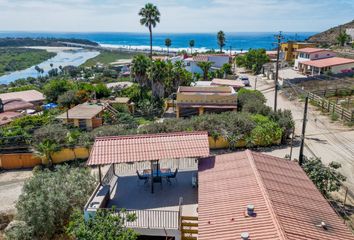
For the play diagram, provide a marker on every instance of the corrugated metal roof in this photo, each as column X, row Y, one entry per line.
column 135, row 148
column 287, row 204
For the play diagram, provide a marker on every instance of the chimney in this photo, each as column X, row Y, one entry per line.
column 245, row 236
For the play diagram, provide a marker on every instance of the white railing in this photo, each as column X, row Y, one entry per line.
column 152, row 219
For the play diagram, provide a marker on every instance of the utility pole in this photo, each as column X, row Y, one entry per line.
column 301, row 155
column 230, row 50
column 279, row 37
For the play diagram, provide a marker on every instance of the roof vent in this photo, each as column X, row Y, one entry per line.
column 322, row 225
column 245, row 236
column 250, row 211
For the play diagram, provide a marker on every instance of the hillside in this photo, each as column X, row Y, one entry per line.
column 331, row 34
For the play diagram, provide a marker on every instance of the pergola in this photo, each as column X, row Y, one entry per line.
column 148, row 147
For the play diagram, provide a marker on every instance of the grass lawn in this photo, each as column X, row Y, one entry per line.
column 14, row 59
column 107, row 57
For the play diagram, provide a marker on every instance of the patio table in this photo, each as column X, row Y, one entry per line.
column 163, row 172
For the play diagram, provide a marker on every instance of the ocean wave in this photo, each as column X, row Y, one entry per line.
column 159, row 48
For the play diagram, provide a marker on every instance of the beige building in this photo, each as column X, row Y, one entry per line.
column 197, row 100
column 85, row 116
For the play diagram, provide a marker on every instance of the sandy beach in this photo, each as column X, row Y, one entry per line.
column 54, row 49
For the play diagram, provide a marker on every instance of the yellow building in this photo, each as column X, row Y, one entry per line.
column 197, row 100
column 289, row 49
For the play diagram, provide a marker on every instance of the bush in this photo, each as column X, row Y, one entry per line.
column 105, row 225
column 18, row 230
column 49, row 197
column 54, row 132
column 266, row 132
column 245, row 96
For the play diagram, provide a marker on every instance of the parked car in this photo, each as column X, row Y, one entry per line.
column 245, row 80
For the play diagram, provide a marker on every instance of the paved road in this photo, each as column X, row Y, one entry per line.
column 329, row 141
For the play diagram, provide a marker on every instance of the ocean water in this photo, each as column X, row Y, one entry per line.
column 203, row 41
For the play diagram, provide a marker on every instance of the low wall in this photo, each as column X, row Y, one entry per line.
column 222, row 143
column 28, row 160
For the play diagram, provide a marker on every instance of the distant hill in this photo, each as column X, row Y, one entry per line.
column 329, row 36
column 55, row 42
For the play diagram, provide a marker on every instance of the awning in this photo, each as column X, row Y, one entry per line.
column 148, row 147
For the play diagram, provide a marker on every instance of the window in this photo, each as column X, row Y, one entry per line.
column 316, row 55
column 82, row 123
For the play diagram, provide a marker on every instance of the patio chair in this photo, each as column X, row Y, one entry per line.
column 172, row 176
column 142, row 177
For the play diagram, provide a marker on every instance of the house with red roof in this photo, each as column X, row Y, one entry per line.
column 311, row 54
column 178, row 190
column 317, row 61
column 217, row 60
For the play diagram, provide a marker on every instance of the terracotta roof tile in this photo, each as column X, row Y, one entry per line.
column 311, row 50
column 328, row 62
column 287, row 204
column 134, row 148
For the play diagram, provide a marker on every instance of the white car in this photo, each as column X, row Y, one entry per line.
column 245, row 80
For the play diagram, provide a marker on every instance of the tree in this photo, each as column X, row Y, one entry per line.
column 168, row 44
column 157, row 73
column 55, row 88
column 326, row 178
column 67, row 99
column 140, row 64
column 226, row 68
column 46, row 149
column 102, row 91
column 150, row 16
column 343, row 38
column 191, row 45
column 106, row 224
column 205, row 66
column 221, row 40
column 253, row 60
column 49, row 197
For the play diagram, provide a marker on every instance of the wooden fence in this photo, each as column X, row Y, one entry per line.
column 331, row 107
column 318, row 99
column 334, row 92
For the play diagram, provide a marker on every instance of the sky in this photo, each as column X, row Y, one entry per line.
column 176, row 15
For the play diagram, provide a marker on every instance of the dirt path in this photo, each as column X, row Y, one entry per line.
column 11, row 183
column 325, row 139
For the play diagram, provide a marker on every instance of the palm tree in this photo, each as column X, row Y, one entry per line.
column 150, row 17
column 45, row 150
column 191, row 45
column 205, row 66
column 157, row 73
column 140, row 65
column 168, row 44
column 221, row 40
column 342, row 38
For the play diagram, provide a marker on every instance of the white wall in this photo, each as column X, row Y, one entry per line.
column 338, row 69
column 302, row 57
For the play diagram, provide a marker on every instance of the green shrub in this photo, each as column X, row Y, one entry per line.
column 49, row 197
column 266, row 131
column 334, row 116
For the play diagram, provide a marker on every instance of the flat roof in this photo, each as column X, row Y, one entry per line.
column 312, row 50
column 83, row 111
column 16, row 104
column 206, row 90
column 328, row 62
column 119, row 84
column 287, row 204
column 7, row 117
column 28, row 95
column 148, row 147
column 227, row 82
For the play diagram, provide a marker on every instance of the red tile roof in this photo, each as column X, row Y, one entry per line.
column 201, row 58
column 311, row 50
column 328, row 62
column 135, row 148
column 287, row 204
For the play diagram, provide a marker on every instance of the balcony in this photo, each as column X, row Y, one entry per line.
column 157, row 213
